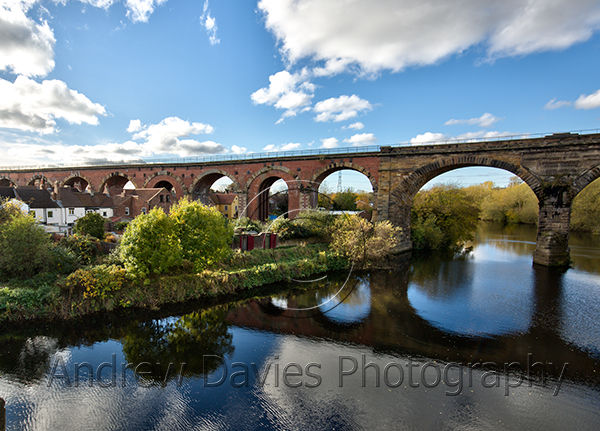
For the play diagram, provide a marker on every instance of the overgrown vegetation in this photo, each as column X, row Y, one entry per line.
column 91, row 224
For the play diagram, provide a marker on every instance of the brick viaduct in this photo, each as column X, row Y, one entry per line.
column 556, row 167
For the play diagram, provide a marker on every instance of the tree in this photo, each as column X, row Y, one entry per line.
column 443, row 217
column 585, row 214
column 205, row 236
column 25, row 246
column 150, row 244
column 91, row 224
column 345, row 200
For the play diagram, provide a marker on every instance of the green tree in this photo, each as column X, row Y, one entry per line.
column 150, row 245
column 205, row 236
column 91, row 224
column 345, row 200
column 585, row 213
column 25, row 246
column 443, row 217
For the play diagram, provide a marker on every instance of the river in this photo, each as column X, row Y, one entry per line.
column 481, row 340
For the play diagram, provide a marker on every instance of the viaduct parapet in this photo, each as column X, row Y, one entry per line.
column 556, row 167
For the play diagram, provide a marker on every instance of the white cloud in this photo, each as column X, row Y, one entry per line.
column 554, row 104
column 356, row 126
column 210, row 24
column 376, row 35
column 287, row 91
column 134, row 126
column 238, row 150
column 591, row 101
column 286, row 147
column 26, row 47
column 140, row 10
column 427, row 138
column 30, row 106
column 486, row 120
column 361, row 139
column 164, row 138
column 341, row 108
column 329, row 143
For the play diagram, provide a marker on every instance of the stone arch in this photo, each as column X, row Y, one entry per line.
column 166, row 176
column 262, row 180
column 269, row 169
column 410, row 186
column 115, row 186
column 320, row 175
column 6, row 181
column 37, row 179
column 585, row 179
column 402, row 196
column 71, row 181
column 200, row 188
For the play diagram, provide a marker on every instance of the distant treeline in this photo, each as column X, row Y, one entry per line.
column 445, row 216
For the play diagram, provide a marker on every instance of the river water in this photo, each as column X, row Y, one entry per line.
column 482, row 340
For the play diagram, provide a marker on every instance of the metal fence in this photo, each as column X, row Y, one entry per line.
column 338, row 151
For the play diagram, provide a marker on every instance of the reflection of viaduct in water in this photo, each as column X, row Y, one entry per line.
column 556, row 167
column 393, row 327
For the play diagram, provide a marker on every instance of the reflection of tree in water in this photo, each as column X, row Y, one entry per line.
column 440, row 274
column 27, row 360
column 183, row 341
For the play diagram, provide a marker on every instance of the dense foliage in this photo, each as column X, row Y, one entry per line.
column 361, row 241
column 204, row 235
column 91, row 224
column 25, row 247
column 585, row 214
column 443, row 217
column 156, row 242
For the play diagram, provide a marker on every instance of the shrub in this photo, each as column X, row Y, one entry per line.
column 361, row 241
column 83, row 246
column 98, row 282
column 585, row 214
column 121, row 225
column 64, row 261
column 91, row 224
column 205, row 236
column 249, row 225
column 150, row 245
column 24, row 247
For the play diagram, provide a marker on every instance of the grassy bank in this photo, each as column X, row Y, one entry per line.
column 83, row 293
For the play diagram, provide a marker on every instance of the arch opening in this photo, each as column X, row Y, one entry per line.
column 166, row 184
column 273, row 198
column 6, row 182
column 114, row 185
column 78, row 183
column 344, row 189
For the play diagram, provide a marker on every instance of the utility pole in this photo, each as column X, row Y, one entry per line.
column 339, row 186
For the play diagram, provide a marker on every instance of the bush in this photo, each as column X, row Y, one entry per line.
column 91, row 224
column 25, row 247
column 99, row 282
column 121, row 225
column 249, row 225
column 64, row 261
column 361, row 241
column 150, row 245
column 83, row 246
column 205, row 236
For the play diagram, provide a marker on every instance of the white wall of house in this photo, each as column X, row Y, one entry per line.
column 39, row 214
column 72, row 214
column 54, row 216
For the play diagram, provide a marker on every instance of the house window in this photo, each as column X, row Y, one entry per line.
column 50, row 214
column 104, row 214
column 162, row 198
column 71, row 211
column 236, row 207
column 168, row 197
column 225, row 207
column 144, row 210
column 126, row 211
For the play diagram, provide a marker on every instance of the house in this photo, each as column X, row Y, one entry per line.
column 133, row 202
column 226, row 203
column 77, row 204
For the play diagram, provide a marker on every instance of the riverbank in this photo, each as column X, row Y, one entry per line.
column 61, row 299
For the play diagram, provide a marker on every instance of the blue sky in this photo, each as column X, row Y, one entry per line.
column 96, row 80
